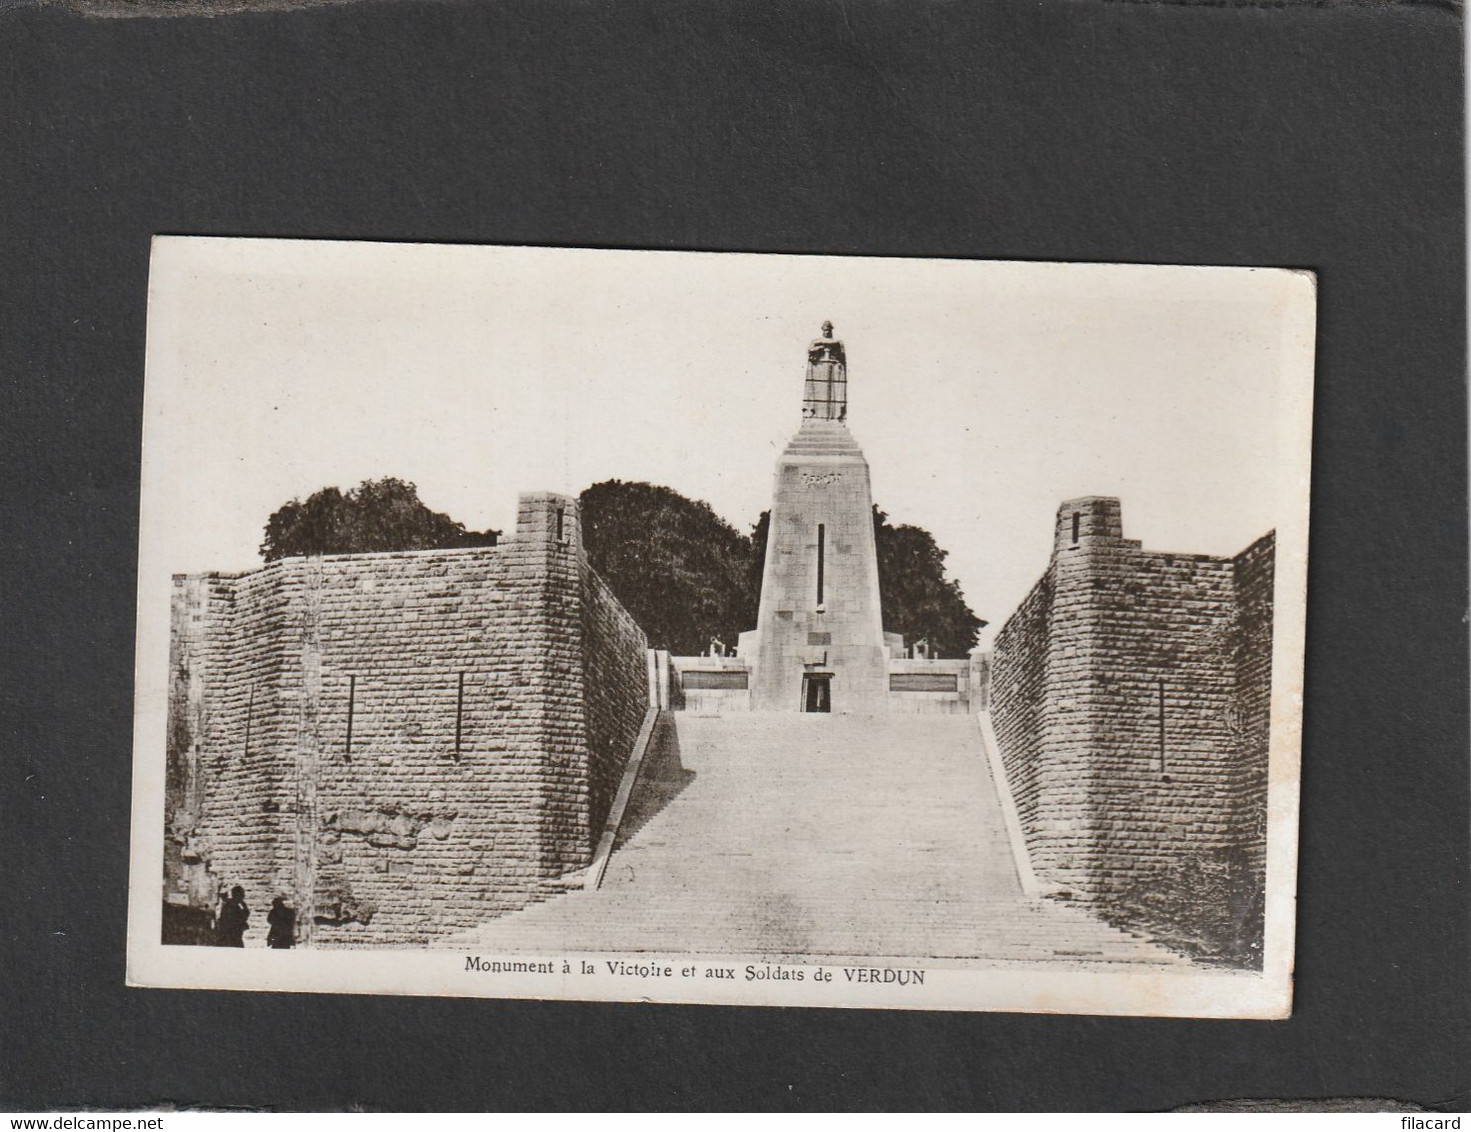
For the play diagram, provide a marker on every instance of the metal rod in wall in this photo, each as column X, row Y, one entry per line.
column 459, row 713
column 352, row 690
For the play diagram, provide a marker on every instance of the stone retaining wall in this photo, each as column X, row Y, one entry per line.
column 1130, row 697
column 419, row 741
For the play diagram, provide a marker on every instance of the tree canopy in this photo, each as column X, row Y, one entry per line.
column 684, row 573
column 681, row 570
column 377, row 515
column 917, row 598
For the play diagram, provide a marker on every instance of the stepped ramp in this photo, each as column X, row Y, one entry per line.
column 792, row 836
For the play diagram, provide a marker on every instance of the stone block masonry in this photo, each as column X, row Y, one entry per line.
column 819, row 644
column 403, row 745
column 1130, row 694
column 819, row 613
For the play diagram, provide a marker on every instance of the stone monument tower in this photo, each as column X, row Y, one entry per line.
column 819, row 642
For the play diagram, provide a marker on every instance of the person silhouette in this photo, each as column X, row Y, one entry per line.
column 283, row 924
column 233, row 919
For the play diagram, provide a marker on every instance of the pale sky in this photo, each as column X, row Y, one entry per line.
column 982, row 393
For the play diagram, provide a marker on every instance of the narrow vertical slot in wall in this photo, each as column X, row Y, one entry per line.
column 821, row 547
column 460, row 713
column 1163, row 766
column 352, row 695
column 249, row 718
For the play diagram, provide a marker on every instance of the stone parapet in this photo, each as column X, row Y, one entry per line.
column 711, row 684
column 921, row 686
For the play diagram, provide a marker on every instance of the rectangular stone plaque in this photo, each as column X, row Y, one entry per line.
column 695, row 678
column 923, row 682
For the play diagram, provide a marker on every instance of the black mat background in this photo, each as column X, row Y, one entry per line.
column 1318, row 137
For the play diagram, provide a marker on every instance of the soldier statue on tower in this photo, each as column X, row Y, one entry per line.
column 825, row 396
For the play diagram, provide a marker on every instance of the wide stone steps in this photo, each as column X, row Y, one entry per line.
column 790, row 836
column 822, row 438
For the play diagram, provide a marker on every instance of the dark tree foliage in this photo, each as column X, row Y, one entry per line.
column 377, row 515
column 759, row 531
column 677, row 567
column 684, row 573
column 918, row 600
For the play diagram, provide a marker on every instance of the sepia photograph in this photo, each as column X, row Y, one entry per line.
column 720, row 628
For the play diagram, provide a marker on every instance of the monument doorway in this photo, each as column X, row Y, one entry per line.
column 817, row 691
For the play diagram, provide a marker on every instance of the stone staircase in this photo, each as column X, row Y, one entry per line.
column 798, row 836
column 823, row 438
